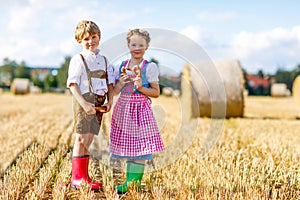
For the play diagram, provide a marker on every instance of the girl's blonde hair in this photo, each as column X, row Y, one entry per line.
column 141, row 32
column 86, row 27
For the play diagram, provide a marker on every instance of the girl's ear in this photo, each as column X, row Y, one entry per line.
column 79, row 41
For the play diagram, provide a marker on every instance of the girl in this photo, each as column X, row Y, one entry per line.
column 134, row 133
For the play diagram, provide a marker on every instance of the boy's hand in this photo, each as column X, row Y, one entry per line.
column 108, row 107
column 89, row 108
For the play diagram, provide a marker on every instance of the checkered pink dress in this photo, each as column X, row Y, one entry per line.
column 134, row 131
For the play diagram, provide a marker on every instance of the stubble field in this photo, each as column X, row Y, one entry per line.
column 255, row 157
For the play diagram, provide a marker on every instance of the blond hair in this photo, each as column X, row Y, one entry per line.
column 86, row 27
column 141, row 32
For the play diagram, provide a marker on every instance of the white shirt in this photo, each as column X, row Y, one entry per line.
column 77, row 72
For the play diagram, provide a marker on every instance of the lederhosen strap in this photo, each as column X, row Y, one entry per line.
column 97, row 73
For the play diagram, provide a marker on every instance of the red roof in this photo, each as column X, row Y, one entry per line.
column 256, row 81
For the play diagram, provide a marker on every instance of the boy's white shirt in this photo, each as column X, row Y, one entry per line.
column 77, row 72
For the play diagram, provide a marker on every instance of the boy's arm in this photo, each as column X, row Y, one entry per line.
column 89, row 108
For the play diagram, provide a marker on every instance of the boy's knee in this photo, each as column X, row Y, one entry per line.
column 84, row 139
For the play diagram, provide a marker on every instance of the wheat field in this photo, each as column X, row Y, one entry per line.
column 255, row 157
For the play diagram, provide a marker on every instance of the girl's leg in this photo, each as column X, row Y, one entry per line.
column 134, row 173
column 138, row 161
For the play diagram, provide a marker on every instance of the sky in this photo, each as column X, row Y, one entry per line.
column 262, row 35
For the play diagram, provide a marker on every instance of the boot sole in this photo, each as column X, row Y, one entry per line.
column 120, row 192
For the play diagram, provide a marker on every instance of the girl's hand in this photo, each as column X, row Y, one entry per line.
column 124, row 79
column 138, row 82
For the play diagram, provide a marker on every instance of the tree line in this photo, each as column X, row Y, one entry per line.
column 11, row 69
column 280, row 76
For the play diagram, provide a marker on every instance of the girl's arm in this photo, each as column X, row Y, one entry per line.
column 152, row 77
column 121, row 83
column 153, row 91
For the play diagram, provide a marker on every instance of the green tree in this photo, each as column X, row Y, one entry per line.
column 284, row 76
column 22, row 71
column 260, row 74
column 37, row 82
column 7, row 71
column 8, row 62
column 50, row 82
column 154, row 60
column 62, row 73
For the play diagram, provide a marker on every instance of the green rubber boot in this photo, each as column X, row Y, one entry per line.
column 134, row 173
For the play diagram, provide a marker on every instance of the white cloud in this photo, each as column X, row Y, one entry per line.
column 198, row 34
column 41, row 33
column 267, row 50
column 271, row 48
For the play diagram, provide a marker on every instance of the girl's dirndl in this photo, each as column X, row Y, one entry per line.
column 134, row 131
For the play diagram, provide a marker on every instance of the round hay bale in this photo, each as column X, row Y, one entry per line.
column 232, row 79
column 167, row 91
column 296, row 90
column 35, row 90
column 20, row 86
column 176, row 93
column 279, row 90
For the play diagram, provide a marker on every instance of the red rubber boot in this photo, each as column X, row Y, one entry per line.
column 95, row 184
column 79, row 173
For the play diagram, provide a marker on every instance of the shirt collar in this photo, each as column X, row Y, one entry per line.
column 90, row 53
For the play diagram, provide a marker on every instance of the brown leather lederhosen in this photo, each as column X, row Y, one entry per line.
column 85, row 123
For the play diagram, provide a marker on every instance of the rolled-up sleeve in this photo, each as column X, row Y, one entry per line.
column 152, row 73
column 74, row 71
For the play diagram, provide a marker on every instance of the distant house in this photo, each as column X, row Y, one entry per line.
column 42, row 72
column 258, row 85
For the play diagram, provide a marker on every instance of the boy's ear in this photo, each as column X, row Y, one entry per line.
column 79, row 41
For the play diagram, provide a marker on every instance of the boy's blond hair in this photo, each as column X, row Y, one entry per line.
column 86, row 27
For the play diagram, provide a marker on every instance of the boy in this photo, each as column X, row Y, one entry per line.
column 90, row 80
